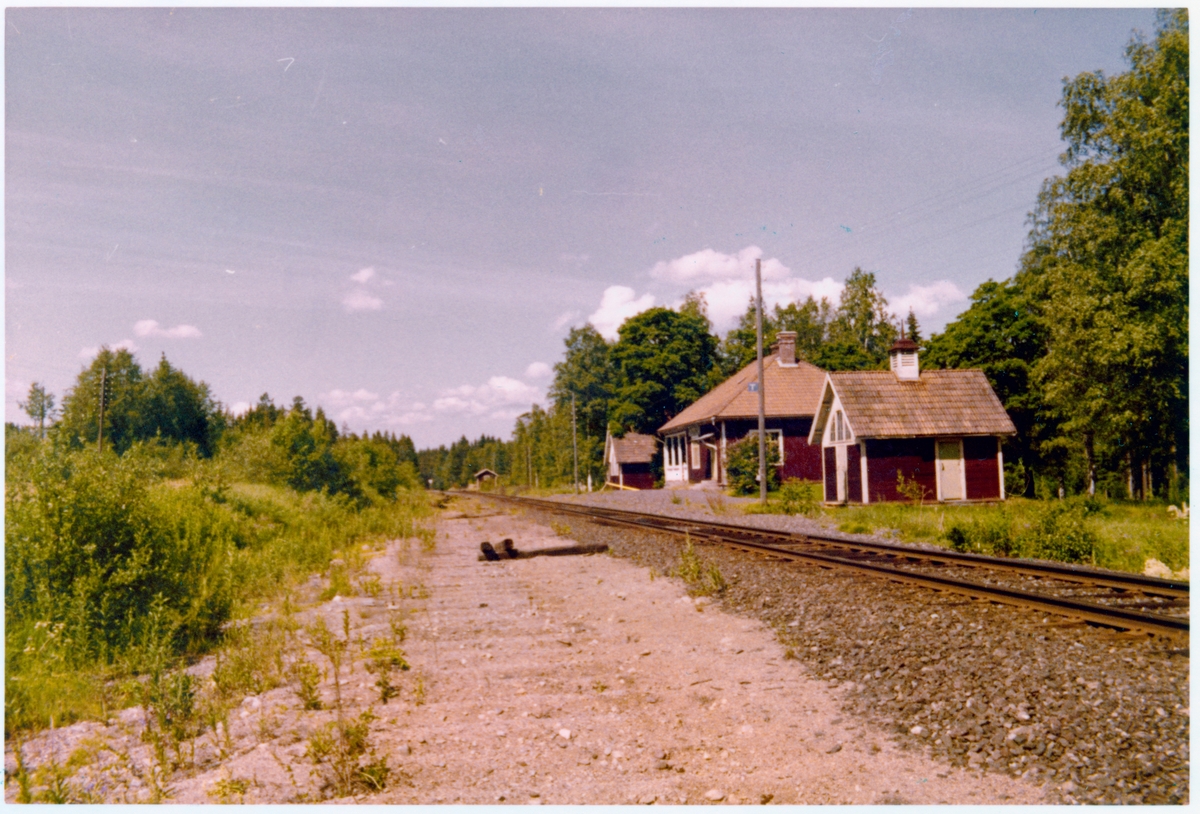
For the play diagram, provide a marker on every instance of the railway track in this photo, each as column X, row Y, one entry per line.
column 1101, row 597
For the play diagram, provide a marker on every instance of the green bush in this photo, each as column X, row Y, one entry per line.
column 800, row 497
column 95, row 542
column 90, row 545
column 992, row 534
column 1061, row 532
column 1056, row 530
column 741, row 466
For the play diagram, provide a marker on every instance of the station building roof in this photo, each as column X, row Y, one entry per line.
column 633, row 448
column 877, row 404
column 792, row 391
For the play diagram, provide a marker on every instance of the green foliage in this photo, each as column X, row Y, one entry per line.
column 1061, row 533
column 800, row 497
column 1056, row 530
column 1109, row 258
column 304, row 447
column 863, row 319
column 90, row 544
column 110, row 568
column 1087, row 345
column 911, row 489
column 455, row 467
column 343, row 750
column 742, row 466
column 843, row 354
column 663, row 358
column 990, row 533
column 702, row 579
column 307, row 677
column 166, row 404
column 39, row 406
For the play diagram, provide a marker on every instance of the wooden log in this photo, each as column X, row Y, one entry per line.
column 558, row 551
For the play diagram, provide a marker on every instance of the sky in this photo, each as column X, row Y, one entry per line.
column 399, row 213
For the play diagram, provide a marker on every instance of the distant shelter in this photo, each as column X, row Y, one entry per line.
column 628, row 460
column 484, row 476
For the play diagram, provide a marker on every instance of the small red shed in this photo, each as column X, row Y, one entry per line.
column 939, row 430
column 628, row 460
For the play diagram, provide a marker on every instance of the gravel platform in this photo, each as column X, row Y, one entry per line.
column 1095, row 715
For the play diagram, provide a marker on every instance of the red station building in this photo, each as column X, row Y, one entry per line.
column 696, row 440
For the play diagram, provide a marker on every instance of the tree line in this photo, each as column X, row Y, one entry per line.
column 116, row 406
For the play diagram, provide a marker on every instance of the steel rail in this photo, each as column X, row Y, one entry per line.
column 1091, row 612
column 1074, row 573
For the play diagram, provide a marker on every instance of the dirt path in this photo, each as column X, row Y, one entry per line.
column 585, row 680
column 565, row 680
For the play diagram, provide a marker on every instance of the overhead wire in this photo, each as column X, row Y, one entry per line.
column 954, row 197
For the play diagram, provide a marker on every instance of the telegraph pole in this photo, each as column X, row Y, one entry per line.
column 103, row 387
column 574, row 444
column 762, row 403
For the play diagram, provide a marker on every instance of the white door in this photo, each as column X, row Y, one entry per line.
column 674, row 460
column 950, row 470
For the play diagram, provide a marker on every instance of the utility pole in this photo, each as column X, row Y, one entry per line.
column 103, row 386
column 762, row 402
column 574, row 444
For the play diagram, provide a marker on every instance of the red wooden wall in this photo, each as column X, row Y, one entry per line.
column 912, row 456
column 853, row 474
column 830, row 475
column 983, row 468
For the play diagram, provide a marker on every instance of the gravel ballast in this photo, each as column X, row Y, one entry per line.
column 1096, row 715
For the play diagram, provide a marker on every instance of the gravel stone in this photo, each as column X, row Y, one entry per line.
column 1091, row 703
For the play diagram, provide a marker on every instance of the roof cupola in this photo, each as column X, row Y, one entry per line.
column 903, row 357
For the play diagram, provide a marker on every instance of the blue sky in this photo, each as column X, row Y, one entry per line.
column 398, row 214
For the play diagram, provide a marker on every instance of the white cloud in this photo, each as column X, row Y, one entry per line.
column 566, row 319
column 926, row 300
column 341, row 398
column 125, row 344
column 363, row 275
column 500, row 397
column 706, row 266
column 728, row 299
column 239, row 407
column 366, row 408
column 538, row 370
column 617, row 305
column 150, row 327
column 361, row 300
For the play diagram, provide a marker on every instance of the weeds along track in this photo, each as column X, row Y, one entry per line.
column 1109, row 598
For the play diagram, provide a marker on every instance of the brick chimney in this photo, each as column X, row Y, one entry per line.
column 787, row 348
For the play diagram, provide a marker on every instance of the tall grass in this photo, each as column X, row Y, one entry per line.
column 110, row 567
column 1112, row 534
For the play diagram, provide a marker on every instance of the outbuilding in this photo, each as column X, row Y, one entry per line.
column 903, row 434
column 484, row 476
column 695, row 442
column 628, row 460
